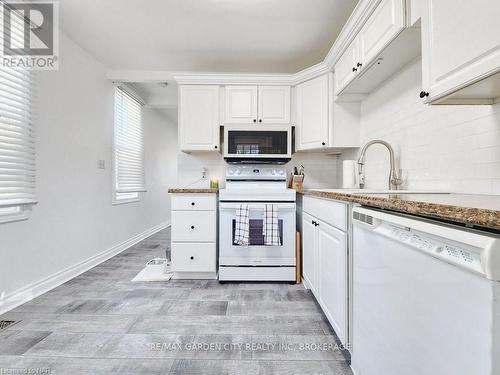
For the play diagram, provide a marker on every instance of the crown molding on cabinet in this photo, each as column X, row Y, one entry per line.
column 139, row 75
column 356, row 20
column 309, row 73
column 231, row 79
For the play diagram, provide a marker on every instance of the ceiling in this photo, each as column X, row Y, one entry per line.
column 247, row 36
column 157, row 94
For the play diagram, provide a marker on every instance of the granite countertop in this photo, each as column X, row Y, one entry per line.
column 469, row 209
column 193, row 190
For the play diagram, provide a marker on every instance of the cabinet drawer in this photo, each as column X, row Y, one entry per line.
column 194, row 202
column 193, row 257
column 195, row 226
column 331, row 212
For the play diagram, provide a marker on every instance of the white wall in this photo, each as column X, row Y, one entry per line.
column 161, row 160
column 455, row 148
column 189, row 168
column 74, row 219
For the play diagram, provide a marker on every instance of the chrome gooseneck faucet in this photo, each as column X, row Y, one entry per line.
column 394, row 178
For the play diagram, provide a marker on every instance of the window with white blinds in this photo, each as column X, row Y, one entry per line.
column 128, row 147
column 17, row 143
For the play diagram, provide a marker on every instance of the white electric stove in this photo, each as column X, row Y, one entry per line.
column 256, row 185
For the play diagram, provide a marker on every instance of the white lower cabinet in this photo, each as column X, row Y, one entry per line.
column 325, row 260
column 194, row 236
column 200, row 257
column 194, row 226
column 309, row 252
column 194, row 202
column 332, row 264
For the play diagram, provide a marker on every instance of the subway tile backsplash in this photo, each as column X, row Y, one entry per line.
column 439, row 147
column 321, row 168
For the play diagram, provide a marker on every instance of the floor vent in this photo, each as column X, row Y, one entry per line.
column 4, row 324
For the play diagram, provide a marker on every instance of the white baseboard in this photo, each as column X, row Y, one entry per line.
column 42, row 286
column 306, row 284
column 195, row 276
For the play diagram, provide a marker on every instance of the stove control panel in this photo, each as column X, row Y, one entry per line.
column 255, row 172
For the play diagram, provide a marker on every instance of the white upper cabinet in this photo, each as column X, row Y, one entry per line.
column 347, row 66
column 199, row 118
column 461, row 51
column 321, row 123
column 257, row 104
column 241, row 104
column 312, row 127
column 380, row 49
column 382, row 27
column 274, row 104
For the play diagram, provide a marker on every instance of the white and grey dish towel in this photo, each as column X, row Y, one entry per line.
column 242, row 229
column 270, row 227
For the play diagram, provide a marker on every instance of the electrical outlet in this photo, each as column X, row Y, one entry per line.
column 204, row 173
column 101, row 164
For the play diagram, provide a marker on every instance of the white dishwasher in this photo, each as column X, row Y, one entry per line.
column 426, row 297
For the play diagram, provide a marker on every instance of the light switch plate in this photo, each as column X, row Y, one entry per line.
column 101, row 164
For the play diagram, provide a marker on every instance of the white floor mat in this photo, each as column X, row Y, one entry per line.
column 152, row 274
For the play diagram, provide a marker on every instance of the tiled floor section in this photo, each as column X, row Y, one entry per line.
column 101, row 323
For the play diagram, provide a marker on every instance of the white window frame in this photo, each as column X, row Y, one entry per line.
column 9, row 214
column 17, row 212
column 122, row 198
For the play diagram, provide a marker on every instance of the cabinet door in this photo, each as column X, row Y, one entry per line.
column 386, row 22
column 274, row 104
column 199, row 118
column 312, row 126
column 460, row 45
column 332, row 247
column 241, row 104
column 309, row 252
column 194, row 257
column 346, row 67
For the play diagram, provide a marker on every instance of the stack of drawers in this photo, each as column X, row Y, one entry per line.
column 194, row 235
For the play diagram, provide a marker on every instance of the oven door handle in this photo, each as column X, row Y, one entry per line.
column 256, row 207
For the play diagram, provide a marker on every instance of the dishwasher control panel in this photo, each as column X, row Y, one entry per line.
column 451, row 253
